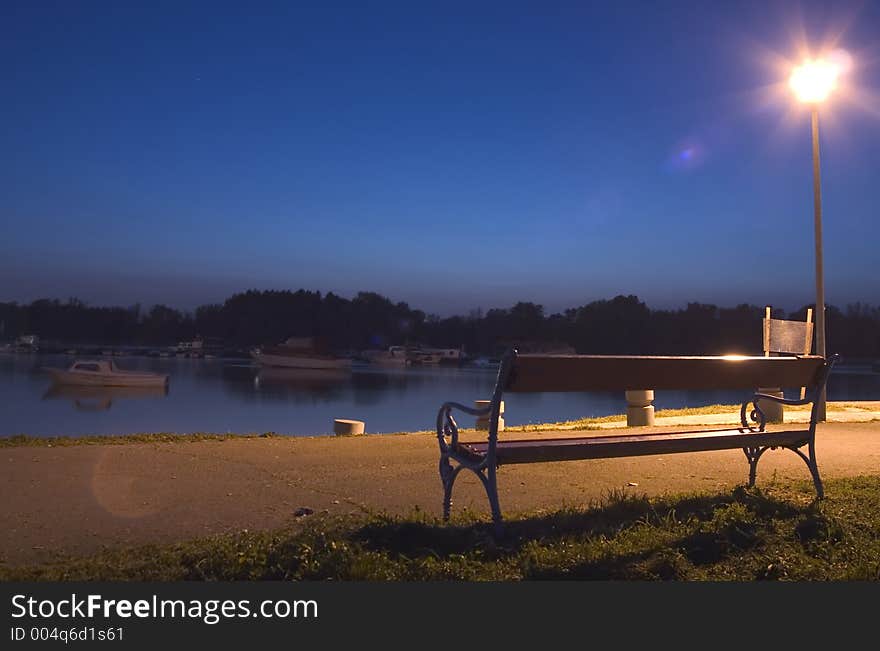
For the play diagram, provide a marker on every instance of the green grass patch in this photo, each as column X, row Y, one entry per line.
column 777, row 533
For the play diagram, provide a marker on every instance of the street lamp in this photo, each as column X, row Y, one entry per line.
column 812, row 83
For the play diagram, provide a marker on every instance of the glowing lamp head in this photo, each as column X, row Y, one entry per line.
column 813, row 81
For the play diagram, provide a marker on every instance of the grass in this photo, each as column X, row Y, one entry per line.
column 732, row 410
column 777, row 533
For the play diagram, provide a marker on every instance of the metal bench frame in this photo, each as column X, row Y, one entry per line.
column 484, row 464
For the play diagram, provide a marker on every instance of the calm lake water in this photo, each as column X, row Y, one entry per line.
column 233, row 396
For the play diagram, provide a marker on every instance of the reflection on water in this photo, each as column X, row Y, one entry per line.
column 99, row 398
column 235, row 396
column 300, row 378
column 293, row 383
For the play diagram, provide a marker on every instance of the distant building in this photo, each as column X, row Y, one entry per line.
column 200, row 346
column 27, row 343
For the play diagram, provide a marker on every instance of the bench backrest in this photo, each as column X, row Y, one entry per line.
column 536, row 373
column 788, row 337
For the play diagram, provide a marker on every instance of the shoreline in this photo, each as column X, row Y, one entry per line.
column 847, row 411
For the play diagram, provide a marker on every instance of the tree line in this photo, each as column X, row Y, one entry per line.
column 621, row 325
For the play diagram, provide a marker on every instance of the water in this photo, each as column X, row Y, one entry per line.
column 233, row 396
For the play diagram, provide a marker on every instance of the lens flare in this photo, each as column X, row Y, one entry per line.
column 842, row 60
column 685, row 156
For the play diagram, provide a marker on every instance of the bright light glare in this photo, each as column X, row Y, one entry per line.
column 813, row 81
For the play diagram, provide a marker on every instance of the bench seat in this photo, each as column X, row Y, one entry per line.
column 630, row 445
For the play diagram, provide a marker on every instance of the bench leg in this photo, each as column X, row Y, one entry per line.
column 490, row 483
column 753, row 455
column 814, row 468
column 447, row 476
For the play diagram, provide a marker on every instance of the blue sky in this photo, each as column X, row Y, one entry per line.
column 453, row 155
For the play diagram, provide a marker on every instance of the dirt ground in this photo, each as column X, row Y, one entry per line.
column 77, row 500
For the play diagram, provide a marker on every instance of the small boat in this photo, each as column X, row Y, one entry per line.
column 105, row 373
column 427, row 358
column 441, row 355
column 394, row 356
column 199, row 348
column 301, row 352
column 27, row 344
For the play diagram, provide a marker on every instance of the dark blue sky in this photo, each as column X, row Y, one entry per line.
column 453, row 155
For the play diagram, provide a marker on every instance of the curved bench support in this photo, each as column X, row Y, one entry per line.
column 447, row 431
column 754, row 454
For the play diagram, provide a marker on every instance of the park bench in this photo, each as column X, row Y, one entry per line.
column 551, row 373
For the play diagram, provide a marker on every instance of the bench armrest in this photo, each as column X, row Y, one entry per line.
column 784, row 401
column 757, row 415
column 447, row 428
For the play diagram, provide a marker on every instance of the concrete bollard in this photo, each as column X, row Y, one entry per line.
column 772, row 410
column 639, row 408
column 345, row 427
column 483, row 421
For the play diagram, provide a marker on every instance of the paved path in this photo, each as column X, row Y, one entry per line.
column 77, row 500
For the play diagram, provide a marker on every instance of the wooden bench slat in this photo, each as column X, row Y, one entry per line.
column 629, row 445
column 550, row 373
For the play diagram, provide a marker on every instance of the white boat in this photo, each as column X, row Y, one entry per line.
column 427, row 358
column 432, row 356
column 299, row 352
column 450, row 355
column 105, row 373
column 394, row 356
column 27, row 344
column 199, row 347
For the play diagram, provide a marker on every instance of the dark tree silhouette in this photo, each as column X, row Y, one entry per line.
column 620, row 325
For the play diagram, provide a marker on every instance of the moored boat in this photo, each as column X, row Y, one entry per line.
column 301, row 352
column 105, row 373
column 394, row 356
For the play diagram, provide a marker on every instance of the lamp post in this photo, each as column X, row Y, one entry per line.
column 812, row 83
